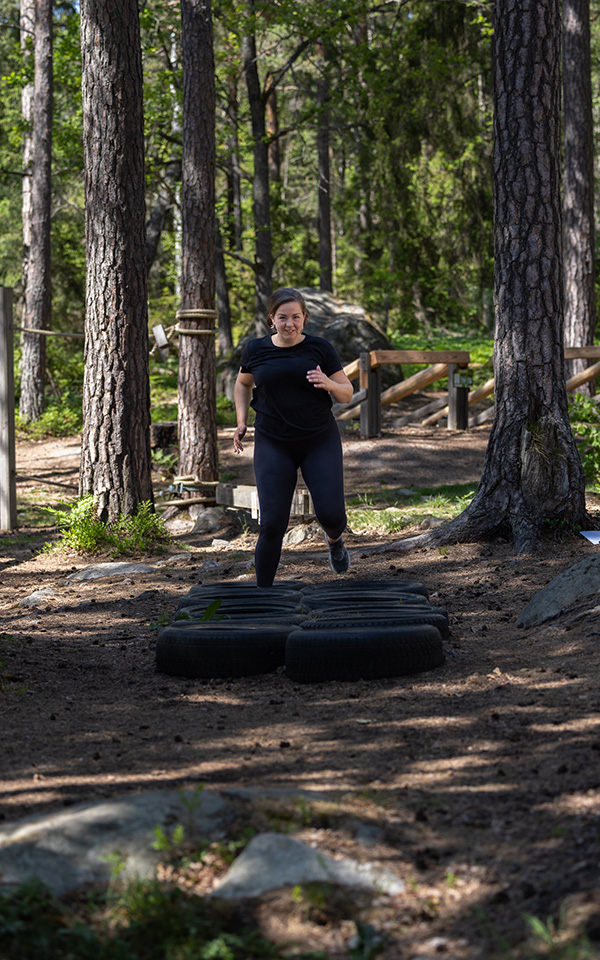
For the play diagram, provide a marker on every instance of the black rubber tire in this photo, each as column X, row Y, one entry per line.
column 229, row 590
column 401, row 618
column 372, row 653
column 345, row 613
column 209, row 652
column 324, row 600
column 407, row 586
column 238, row 603
column 282, row 616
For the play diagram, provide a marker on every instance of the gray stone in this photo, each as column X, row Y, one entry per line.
column 272, row 860
column 579, row 583
column 303, row 532
column 221, row 544
column 98, row 570
column 36, row 598
column 210, row 520
column 70, row 849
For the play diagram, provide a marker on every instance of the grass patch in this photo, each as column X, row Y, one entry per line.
column 128, row 922
column 383, row 511
column 82, row 530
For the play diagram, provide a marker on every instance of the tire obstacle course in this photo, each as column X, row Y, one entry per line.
column 347, row 631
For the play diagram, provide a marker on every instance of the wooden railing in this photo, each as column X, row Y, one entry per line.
column 368, row 401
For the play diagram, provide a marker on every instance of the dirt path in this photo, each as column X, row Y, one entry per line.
column 482, row 776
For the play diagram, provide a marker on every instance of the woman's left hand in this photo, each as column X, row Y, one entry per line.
column 319, row 379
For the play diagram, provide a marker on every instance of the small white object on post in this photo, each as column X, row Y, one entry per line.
column 8, row 489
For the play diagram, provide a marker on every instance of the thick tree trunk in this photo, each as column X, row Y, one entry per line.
column 197, row 369
column 115, row 449
column 532, row 472
column 37, row 195
column 263, row 263
column 325, row 259
column 578, row 189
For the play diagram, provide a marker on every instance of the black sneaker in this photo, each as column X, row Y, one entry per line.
column 339, row 558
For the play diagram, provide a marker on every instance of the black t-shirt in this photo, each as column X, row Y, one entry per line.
column 287, row 405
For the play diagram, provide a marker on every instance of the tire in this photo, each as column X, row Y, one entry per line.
column 406, row 586
column 238, row 603
column 195, row 616
column 253, row 593
column 372, row 653
column 356, row 601
column 401, row 618
column 207, row 652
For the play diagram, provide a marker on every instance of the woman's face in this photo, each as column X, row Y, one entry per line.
column 288, row 320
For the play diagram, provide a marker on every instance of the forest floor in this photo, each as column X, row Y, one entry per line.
column 480, row 779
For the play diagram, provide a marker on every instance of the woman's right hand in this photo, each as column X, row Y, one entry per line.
column 238, row 436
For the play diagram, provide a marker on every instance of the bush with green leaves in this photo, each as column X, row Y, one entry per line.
column 82, row 530
column 585, row 421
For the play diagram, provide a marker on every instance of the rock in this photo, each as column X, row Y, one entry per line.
column 211, row 566
column 578, row 583
column 98, row 570
column 220, row 544
column 70, row 849
column 302, row 532
column 272, row 860
column 36, row 598
column 210, row 520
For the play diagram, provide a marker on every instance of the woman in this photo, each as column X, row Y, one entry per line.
column 289, row 379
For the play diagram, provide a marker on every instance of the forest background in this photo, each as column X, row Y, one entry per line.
column 404, row 94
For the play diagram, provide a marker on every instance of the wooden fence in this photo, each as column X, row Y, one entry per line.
column 368, row 401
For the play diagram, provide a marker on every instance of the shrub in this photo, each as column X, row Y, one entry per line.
column 82, row 530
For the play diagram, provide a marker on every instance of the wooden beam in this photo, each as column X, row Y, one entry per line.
column 580, row 378
column 460, row 357
column 417, row 382
column 474, row 397
column 581, row 353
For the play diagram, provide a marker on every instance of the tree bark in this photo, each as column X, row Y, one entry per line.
column 197, row 368
column 115, row 449
column 223, row 306
column 263, row 262
column 324, row 216
column 37, row 205
column 532, row 473
column 234, row 174
column 578, row 183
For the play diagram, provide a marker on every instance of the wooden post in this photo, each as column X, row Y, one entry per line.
column 8, row 488
column 370, row 409
column 458, row 397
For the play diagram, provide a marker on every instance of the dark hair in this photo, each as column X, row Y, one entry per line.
column 286, row 295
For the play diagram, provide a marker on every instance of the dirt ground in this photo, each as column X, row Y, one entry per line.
column 479, row 780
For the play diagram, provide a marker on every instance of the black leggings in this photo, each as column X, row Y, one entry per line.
column 276, row 464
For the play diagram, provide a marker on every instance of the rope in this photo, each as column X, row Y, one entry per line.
column 194, row 333
column 48, row 333
column 196, row 314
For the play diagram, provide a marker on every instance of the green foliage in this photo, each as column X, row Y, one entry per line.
column 61, row 418
column 585, row 421
column 481, row 349
column 384, row 512
column 83, row 531
column 134, row 920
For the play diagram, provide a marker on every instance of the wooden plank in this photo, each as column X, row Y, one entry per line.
column 581, row 353
column 431, row 407
column 580, row 378
column 370, row 408
column 460, row 357
column 412, row 384
column 246, row 496
column 458, row 400
column 8, row 488
column 352, row 370
column 474, row 397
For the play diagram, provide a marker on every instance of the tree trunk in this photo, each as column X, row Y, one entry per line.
column 115, row 449
column 325, row 259
column 578, row 184
column 164, row 203
column 197, row 369
column 37, row 195
column 532, row 473
column 263, row 262
column 272, row 124
column 223, row 306
column 234, row 174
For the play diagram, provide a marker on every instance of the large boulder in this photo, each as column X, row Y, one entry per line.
column 346, row 325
